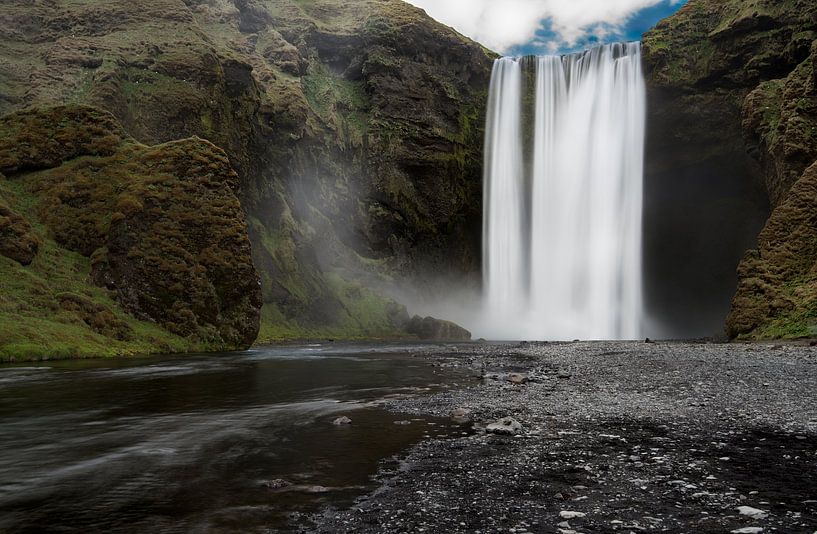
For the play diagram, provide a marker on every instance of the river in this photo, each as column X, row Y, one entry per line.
column 198, row 443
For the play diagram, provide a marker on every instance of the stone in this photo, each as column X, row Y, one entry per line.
column 432, row 329
column 748, row 530
column 275, row 484
column 518, row 378
column 754, row 513
column 567, row 514
column 564, row 375
column 343, row 420
column 506, row 426
column 460, row 415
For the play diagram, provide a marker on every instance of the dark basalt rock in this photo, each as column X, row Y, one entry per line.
column 731, row 128
column 431, row 329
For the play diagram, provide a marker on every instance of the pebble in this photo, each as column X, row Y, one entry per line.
column 518, row 378
column 343, row 420
column 747, row 530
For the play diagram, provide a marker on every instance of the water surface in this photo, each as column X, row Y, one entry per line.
column 192, row 443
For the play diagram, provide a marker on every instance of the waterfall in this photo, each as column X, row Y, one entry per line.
column 564, row 150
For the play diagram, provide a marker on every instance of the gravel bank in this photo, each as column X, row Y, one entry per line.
column 615, row 437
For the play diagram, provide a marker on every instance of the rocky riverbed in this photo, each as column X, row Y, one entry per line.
column 608, row 437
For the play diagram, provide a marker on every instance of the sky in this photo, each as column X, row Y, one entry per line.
column 519, row 27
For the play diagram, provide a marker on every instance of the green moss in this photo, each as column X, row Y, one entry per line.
column 332, row 133
column 159, row 224
column 34, row 324
column 340, row 103
column 777, row 293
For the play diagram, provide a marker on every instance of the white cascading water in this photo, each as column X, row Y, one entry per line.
column 562, row 225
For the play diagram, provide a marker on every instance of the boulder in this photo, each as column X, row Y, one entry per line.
column 431, row 329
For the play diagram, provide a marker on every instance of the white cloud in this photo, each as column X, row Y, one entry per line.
column 502, row 24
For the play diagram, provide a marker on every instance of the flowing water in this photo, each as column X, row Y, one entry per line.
column 194, row 444
column 563, row 196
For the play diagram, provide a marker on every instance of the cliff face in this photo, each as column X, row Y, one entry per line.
column 355, row 129
column 733, row 115
column 112, row 247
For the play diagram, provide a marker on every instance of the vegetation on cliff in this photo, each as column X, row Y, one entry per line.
column 734, row 103
column 355, row 129
column 114, row 247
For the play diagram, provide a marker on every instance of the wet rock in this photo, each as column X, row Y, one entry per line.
column 403, row 422
column 276, row 484
column 431, row 329
column 460, row 415
column 754, row 513
column 748, row 530
column 343, row 420
column 505, row 426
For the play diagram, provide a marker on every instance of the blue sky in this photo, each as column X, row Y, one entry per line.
column 518, row 27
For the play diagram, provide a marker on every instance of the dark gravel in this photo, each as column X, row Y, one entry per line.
column 616, row 437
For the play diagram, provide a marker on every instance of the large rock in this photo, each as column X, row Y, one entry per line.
column 731, row 129
column 431, row 329
column 162, row 225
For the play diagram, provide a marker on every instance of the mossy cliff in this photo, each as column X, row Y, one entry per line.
column 733, row 115
column 113, row 247
column 355, row 129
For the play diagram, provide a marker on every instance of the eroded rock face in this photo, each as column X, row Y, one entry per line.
column 163, row 225
column 355, row 127
column 729, row 133
column 777, row 295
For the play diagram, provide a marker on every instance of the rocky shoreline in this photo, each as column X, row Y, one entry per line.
column 612, row 437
